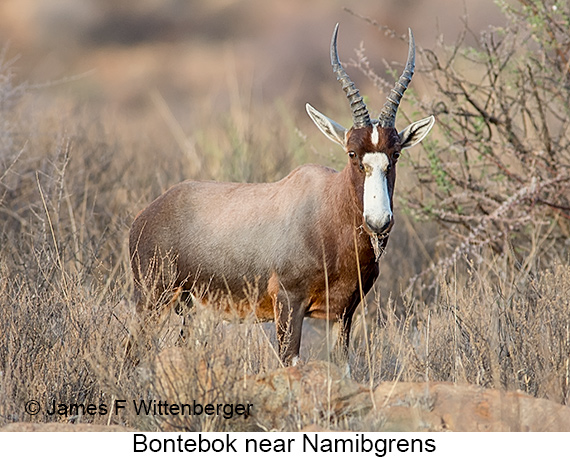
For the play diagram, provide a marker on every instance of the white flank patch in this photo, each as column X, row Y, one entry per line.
column 375, row 135
column 377, row 211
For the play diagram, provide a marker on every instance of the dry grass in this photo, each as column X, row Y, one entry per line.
column 71, row 182
column 483, row 329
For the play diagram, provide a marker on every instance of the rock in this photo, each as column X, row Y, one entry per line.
column 440, row 406
column 284, row 399
column 318, row 396
column 292, row 398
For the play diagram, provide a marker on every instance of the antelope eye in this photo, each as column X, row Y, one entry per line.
column 351, row 154
column 396, row 155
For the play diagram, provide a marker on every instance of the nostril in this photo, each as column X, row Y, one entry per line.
column 379, row 225
column 387, row 226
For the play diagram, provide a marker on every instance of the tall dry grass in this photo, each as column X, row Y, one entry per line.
column 71, row 181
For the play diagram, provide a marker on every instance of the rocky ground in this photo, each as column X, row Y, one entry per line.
column 307, row 396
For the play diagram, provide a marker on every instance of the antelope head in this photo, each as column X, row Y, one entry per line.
column 373, row 146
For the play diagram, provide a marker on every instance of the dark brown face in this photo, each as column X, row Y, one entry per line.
column 373, row 152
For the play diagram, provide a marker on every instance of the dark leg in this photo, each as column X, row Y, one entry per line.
column 340, row 354
column 289, row 314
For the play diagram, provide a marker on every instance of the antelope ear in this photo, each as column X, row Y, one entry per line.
column 332, row 130
column 416, row 132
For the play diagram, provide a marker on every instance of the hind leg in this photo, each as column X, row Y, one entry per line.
column 151, row 316
column 185, row 301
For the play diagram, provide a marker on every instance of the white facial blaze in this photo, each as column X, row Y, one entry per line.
column 377, row 211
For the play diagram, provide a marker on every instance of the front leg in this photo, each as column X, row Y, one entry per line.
column 340, row 351
column 344, row 322
column 289, row 314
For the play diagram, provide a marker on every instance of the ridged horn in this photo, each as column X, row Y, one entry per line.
column 360, row 116
column 390, row 108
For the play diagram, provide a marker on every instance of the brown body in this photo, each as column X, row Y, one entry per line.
column 298, row 247
column 228, row 237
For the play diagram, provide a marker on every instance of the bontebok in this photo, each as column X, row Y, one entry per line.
column 308, row 243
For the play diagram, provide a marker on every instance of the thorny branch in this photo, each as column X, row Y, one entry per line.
column 499, row 160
